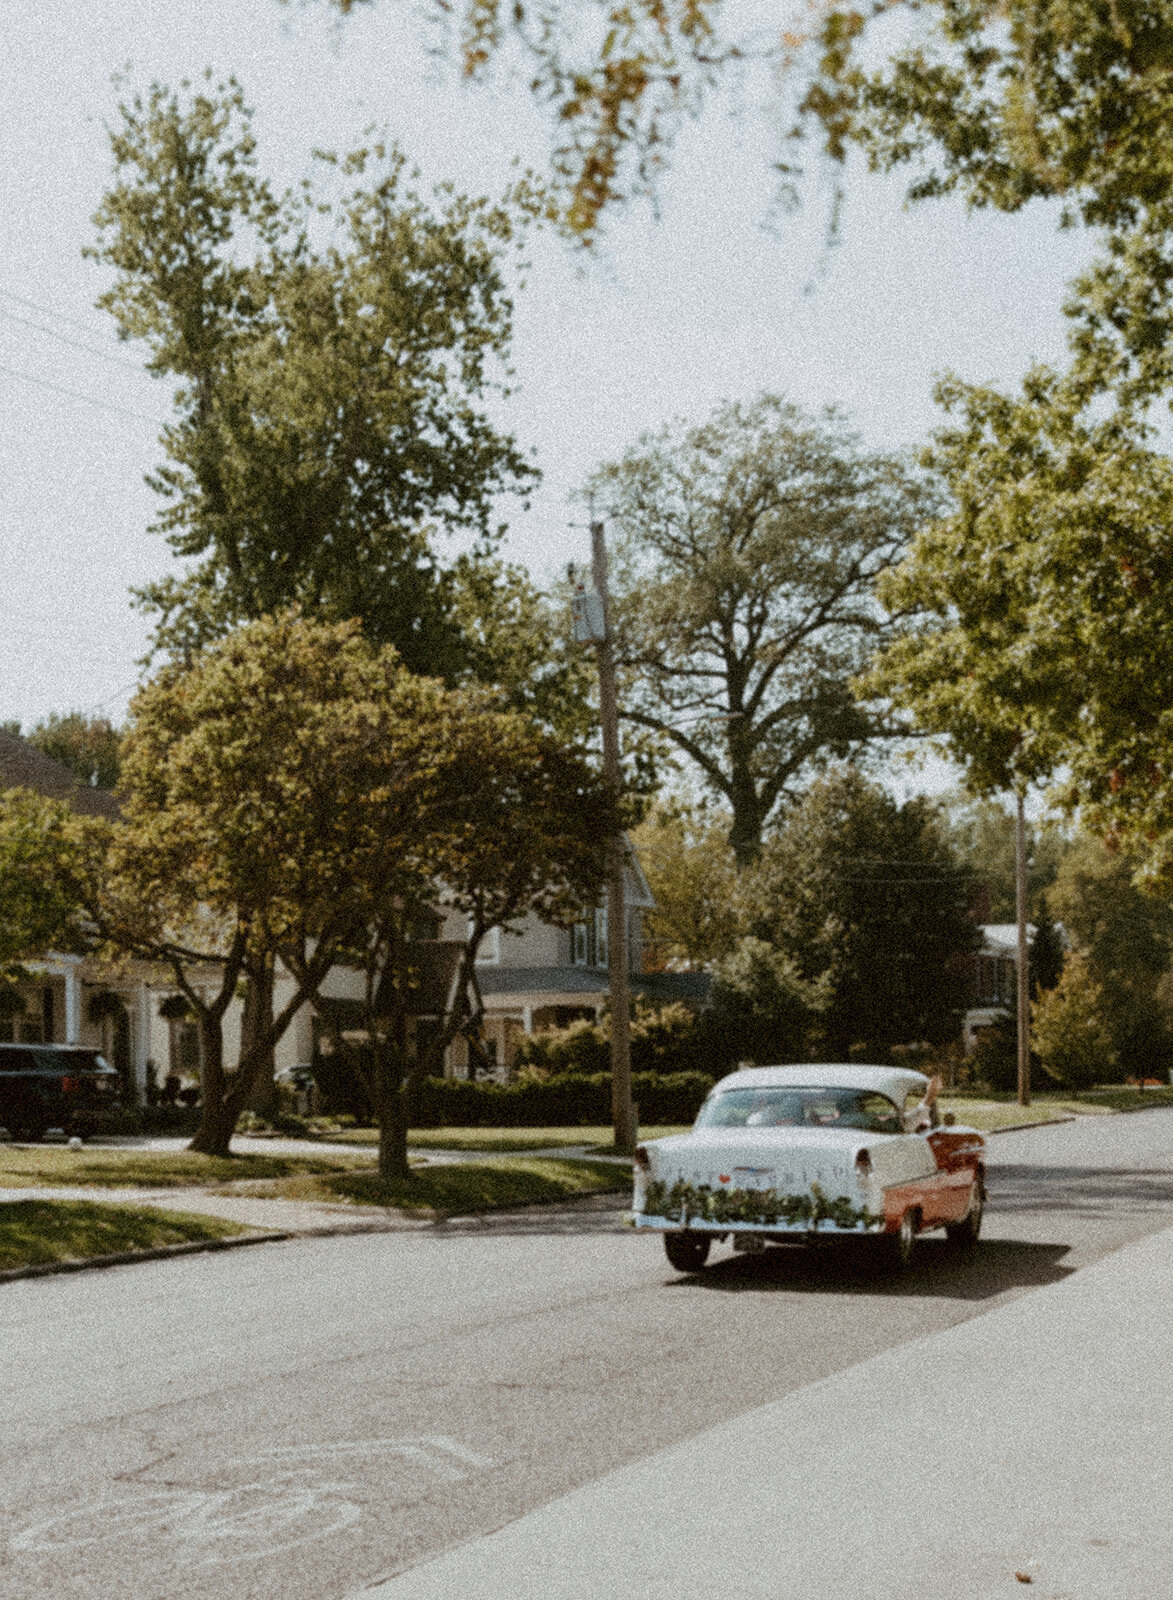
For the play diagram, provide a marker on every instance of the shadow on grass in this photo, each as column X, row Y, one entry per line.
column 939, row 1270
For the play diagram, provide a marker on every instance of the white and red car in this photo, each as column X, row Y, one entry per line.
column 786, row 1154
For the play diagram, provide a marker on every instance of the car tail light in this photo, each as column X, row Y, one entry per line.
column 642, row 1159
column 863, row 1164
column 70, row 1085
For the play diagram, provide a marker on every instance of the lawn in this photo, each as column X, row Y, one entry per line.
column 36, row 1232
column 496, row 1139
column 454, row 1190
column 1005, row 1112
column 153, row 1169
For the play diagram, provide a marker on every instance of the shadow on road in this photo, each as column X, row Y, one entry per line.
column 1083, row 1191
column 939, row 1270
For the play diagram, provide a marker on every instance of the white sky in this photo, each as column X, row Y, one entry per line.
column 677, row 313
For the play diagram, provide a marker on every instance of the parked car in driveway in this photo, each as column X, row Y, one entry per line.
column 805, row 1153
column 45, row 1086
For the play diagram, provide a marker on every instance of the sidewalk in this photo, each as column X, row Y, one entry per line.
column 1032, row 1445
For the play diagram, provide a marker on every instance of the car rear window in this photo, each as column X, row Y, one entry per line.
column 800, row 1107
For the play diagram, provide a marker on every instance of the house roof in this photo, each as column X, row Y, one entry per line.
column 22, row 767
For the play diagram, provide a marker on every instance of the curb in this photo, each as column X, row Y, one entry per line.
column 122, row 1258
column 1023, row 1127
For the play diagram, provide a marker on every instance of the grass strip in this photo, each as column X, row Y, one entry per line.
column 35, row 1233
column 152, row 1169
column 456, row 1190
column 491, row 1140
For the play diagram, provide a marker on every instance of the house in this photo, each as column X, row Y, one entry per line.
column 994, row 983
column 531, row 976
column 70, row 999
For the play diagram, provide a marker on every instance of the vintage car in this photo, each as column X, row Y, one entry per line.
column 794, row 1154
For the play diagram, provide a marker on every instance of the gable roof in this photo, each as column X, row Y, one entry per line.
column 22, row 767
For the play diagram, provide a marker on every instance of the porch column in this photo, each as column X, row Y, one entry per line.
column 72, row 1004
column 142, row 1043
column 527, row 1019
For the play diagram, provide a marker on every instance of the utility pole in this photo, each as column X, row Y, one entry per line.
column 1023, row 953
column 622, row 1110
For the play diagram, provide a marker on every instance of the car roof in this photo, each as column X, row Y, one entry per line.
column 895, row 1082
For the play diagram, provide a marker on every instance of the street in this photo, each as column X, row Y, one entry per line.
column 300, row 1420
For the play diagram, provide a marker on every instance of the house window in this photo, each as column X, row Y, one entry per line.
column 581, row 952
column 602, row 949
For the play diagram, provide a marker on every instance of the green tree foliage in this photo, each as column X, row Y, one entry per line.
column 332, row 348
column 86, row 745
column 763, row 1009
column 981, row 832
column 291, row 796
column 864, row 893
column 1003, row 101
column 45, row 857
column 1070, row 1030
column 1124, row 939
column 1042, row 601
column 664, row 1039
column 692, row 873
column 746, row 556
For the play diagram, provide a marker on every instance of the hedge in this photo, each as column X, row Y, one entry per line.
column 557, row 1102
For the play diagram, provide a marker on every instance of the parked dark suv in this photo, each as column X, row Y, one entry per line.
column 46, row 1086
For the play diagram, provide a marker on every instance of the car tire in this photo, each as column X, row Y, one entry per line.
column 964, row 1234
column 687, row 1252
column 901, row 1245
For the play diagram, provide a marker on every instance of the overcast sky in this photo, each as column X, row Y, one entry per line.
column 706, row 302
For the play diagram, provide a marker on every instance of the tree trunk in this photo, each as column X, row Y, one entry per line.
column 217, row 1117
column 391, row 1110
column 257, row 1016
column 745, row 833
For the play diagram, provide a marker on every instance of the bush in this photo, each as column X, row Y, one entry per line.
column 567, row 1100
column 669, row 1039
column 1069, row 1029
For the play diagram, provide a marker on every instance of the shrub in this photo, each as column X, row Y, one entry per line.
column 667, row 1039
column 1069, row 1029
column 568, row 1100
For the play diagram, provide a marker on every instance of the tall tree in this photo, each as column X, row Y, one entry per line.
column 981, row 832
column 865, row 893
column 1043, row 612
column 691, row 871
column 1124, row 940
column 86, row 745
column 333, row 349
column 747, row 554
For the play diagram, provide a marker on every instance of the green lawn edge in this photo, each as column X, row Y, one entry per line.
column 38, row 1233
column 460, row 1189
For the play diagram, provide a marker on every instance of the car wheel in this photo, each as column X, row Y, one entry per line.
column 965, row 1232
column 687, row 1252
column 901, row 1244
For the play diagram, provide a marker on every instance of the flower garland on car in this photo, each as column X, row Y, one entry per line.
column 687, row 1202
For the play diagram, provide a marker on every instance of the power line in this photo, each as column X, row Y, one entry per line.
column 46, row 311
column 86, row 399
column 77, row 344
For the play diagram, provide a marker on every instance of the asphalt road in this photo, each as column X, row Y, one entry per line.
column 295, row 1421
